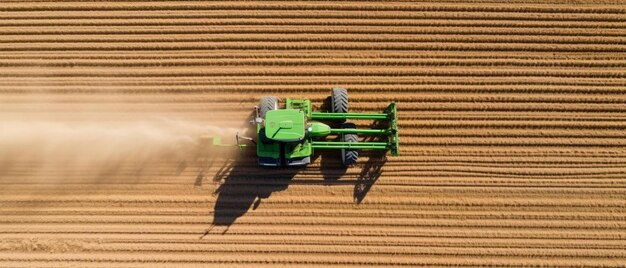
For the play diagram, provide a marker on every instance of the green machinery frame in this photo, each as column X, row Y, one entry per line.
column 390, row 114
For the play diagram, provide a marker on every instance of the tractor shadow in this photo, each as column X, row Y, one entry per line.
column 243, row 185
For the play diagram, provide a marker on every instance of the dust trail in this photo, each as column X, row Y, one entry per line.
column 52, row 150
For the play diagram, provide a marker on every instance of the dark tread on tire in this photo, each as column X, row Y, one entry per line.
column 349, row 157
column 267, row 104
column 339, row 99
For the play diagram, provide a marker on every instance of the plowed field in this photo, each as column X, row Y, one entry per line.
column 512, row 124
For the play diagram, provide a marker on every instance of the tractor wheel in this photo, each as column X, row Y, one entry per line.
column 349, row 157
column 339, row 100
column 267, row 104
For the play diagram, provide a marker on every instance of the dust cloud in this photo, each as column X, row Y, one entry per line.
column 52, row 149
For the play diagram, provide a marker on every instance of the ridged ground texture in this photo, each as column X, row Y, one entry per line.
column 512, row 124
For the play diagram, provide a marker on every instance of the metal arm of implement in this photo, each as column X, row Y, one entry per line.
column 390, row 115
column 359, row 131
column 338, row 116
column 350, row 145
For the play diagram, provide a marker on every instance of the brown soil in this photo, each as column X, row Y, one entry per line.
column 512, row 118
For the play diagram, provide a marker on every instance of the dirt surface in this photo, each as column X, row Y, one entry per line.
column 512, row 118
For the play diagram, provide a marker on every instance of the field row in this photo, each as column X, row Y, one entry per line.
column 428, row 180
column 361, row 98
column 313, row 45
column 211, row 249
column 115, row 221
column 316, row 22
column 500, row 30
column 185, row 187
column 326, row 14
column 329, row 70
column 144, row 108
column 311, row 5
column 314, row 54
column 400, row 170
column 228, row 210
column 174, row 239
column 270, row 62
column 315, row 230
column 319, row 82
column 237, row 194
column 303, row 38
column 155, row 91
column 284, row 259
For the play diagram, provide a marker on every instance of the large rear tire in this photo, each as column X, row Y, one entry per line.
column 339, row 100
column 267, row 104
column 349, row 157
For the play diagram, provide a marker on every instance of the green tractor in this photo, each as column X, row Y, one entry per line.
column 287, row 136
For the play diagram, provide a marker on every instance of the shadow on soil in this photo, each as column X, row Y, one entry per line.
column 371, row 170
column 243, row 185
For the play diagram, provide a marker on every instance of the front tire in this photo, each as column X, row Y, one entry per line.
column 267, row 104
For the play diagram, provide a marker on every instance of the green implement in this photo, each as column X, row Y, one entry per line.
column 287, row 135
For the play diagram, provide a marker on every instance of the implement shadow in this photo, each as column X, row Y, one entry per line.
column 372, row 169
column 330, row 160
column 370, row 172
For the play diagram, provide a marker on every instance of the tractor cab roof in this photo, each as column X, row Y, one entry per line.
column 285, row 125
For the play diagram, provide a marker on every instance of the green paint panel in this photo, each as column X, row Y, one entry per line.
column 317, row 129
column 268, row 150
column 297, row 149
column 285, row 125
